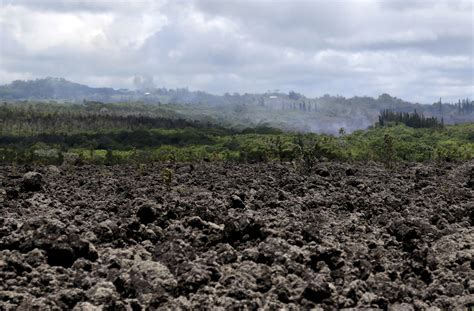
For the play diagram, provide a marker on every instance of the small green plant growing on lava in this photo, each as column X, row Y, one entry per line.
column 167, row 177
column 389, row 152
column 141, row 169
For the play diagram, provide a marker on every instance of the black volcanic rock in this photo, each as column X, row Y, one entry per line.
column 368, row 241
column 32, row 181
column 147, row 213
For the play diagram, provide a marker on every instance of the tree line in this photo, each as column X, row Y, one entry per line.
column 411, row 119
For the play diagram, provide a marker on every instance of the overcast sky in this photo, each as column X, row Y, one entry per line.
column 417, row 50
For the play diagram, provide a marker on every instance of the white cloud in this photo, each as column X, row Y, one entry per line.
column 417, row 50
column 39, row 31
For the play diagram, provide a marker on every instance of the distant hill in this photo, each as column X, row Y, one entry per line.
column 52, row 89
column 60, row 89
column 290, row 111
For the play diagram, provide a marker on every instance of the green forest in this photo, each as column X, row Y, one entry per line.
column 52, row 133
column 290, row 111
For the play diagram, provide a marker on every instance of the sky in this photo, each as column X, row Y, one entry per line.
column 418, row 50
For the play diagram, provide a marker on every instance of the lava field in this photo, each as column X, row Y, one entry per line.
column 235, row 236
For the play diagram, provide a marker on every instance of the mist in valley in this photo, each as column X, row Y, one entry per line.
column 290, row 111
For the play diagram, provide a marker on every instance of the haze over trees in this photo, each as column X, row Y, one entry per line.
column 290, row 111
column 107, row 133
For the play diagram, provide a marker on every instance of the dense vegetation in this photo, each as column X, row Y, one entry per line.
column 114, row 133
column 289, row 111
column 413, row 119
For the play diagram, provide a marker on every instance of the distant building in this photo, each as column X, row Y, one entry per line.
column 104, row 110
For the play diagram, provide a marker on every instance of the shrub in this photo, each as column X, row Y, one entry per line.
column 167, row 177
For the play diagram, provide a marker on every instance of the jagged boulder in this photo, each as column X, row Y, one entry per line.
column 32, row 181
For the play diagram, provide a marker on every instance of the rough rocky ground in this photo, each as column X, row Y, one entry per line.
column 237, row 236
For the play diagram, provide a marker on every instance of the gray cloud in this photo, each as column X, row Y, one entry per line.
column 416, row 50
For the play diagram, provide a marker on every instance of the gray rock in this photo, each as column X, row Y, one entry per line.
column 54, row 170
column 148, row 278
column 401, row 307
column 454, row 289
column 103, row 292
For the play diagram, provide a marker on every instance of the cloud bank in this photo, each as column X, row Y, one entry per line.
column 415, row 50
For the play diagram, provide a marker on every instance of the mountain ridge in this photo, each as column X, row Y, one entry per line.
column 63, row 89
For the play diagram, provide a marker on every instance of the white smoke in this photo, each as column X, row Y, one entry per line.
column 143, row 82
